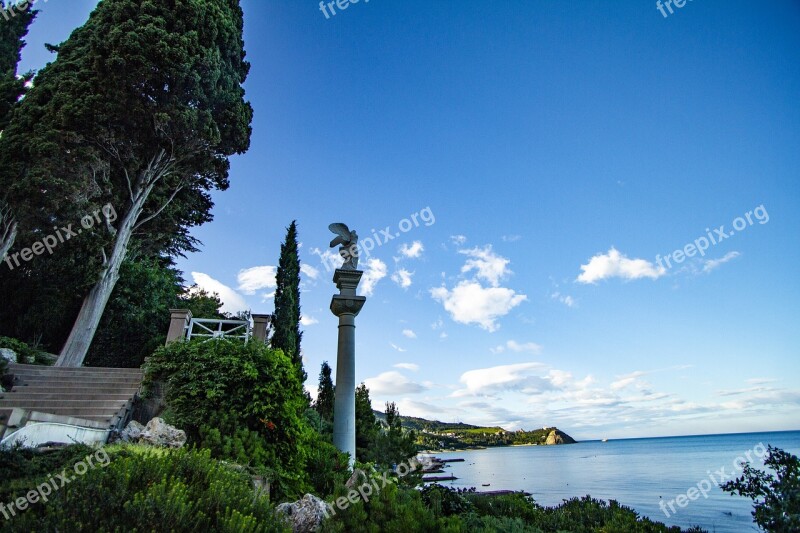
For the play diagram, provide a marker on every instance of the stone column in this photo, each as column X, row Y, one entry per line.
column 260, row 326
column 346, row 305
column 179, row 320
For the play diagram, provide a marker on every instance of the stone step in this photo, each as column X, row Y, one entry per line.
column 77, row 395
column 46, row 405
column 32, row 374
column 4, row 414
column 41, row 369
column 75, row 390
column 66, row 381
column 82, row 412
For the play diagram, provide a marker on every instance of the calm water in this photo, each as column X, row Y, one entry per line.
column 635, row 472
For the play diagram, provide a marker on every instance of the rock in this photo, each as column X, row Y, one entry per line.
column 8, row 354
column 305, row 515
column 159, row 433
column 558, row 437
column 132, row 432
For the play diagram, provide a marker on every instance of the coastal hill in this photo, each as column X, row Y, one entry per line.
column 436, row 435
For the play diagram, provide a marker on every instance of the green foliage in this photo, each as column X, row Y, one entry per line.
column 394, row 445
column 201, row 303
column 12, row 87
column 18, row 466
column 140, row 110
column 207, row 382
column 325, row 393
column 25, row 353
column 143, row 490
column 244, row 403
column 326, row 467
column 444, row 501
column 286, row 334
column 367, row 426
column 391, row 509
column 776, row 497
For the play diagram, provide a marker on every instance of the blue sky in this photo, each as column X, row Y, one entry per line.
column 552, row 153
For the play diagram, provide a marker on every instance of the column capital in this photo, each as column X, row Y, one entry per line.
column 347, row 305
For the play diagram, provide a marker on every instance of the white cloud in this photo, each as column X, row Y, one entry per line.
column 375, row 271
column 308, row 320
column 531, row 347
column 470, row 303
column 255, row 278
column 402, row 277
column 511, row 238
column 711, row 264
column 515, row 346
column 330, row 259
column 443, row 335
column 309, row 271
column 409, row 333
column 396, row 347
column 439, row 324
column 567, row 300
column 489, row 381
column 391, row 383
column 615, row 265
column 407, row 366
column 489, row 266
column 412, row 251
column 626, row 380
column 458, row 239
column 232, row 301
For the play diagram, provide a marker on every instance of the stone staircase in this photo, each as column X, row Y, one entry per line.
column 100, row 398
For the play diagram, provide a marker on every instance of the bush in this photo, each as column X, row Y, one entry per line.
column 444, row 501
column 392, row 509
column 147, row 490
column 245, row 403
column 24, row 352
column 776, row 498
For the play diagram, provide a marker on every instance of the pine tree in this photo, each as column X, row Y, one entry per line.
column 367, row 426
column 140, row 111
column 286, row 334
column 325, row 393
column 396, row 446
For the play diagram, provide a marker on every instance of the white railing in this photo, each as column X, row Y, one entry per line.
column 209, row 328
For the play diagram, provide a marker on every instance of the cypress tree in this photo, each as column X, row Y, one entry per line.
column 325, row 393
column 286, row 334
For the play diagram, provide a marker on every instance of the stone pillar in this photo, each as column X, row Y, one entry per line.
column 260, row 326
column 179, row 320
column 346, row 305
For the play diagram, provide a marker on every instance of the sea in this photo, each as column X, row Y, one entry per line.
column 638, row 473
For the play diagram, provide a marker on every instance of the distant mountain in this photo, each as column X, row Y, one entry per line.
column 436, row 435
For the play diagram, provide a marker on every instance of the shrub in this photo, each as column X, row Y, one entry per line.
column 24, row 352
column 392, row 509
column 444, row 501
column 776, row 498
column 145, row 490
column 245, row 403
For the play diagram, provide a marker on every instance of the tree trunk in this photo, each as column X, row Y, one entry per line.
column 9, row 236
column 80, row 338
